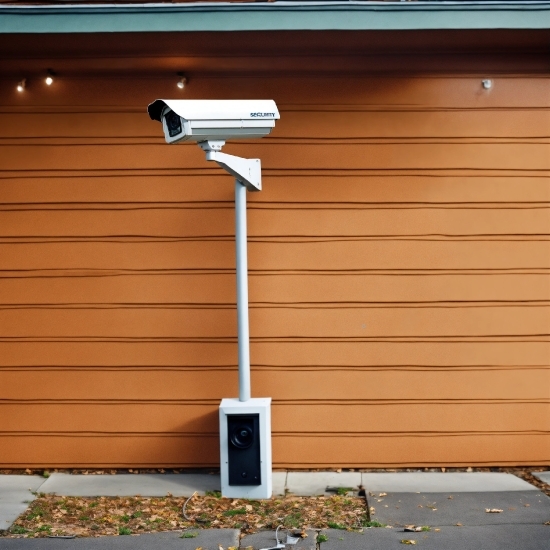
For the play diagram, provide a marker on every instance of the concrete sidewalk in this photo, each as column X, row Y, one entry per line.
column 452, row 505
column 297, row 483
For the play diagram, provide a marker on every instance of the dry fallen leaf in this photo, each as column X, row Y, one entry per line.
column 408, row 541
column 493, row 510
column 383, row 495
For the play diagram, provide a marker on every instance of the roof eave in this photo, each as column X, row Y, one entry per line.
column 273, row 16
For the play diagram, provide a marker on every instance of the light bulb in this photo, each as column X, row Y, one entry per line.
column 181, row 83
column 21, row 85
column 49, row 78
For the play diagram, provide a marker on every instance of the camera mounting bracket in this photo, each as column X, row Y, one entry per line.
column 247, row 171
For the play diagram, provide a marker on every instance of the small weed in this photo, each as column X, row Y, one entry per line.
column 125, row 518
column 343, row 490
column 45, row 474
column 83, row 518
column 206, row 523
column 373, row 523
column 217, row 494
column 190, row 535
column 293, row 521
column 37, row 513
column 321, row 538
column 45, row 528
column 93, row 504
column 426, row 528
column 124, row 531
column 137, row 514
column 334, row 525
column 18, row 530
column 236, row 512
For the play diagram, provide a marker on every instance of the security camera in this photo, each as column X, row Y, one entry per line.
column 213, row 120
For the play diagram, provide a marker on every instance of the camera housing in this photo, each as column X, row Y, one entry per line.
column 188, row 120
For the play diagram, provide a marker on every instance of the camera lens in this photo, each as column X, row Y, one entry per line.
column 173, row 122
column 242, row 437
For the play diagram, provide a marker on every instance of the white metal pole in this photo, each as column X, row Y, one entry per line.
column 242, row 292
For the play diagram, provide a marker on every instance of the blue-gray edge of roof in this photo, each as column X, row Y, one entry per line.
column 273, row 16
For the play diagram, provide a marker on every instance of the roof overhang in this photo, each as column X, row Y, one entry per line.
column 273, row 16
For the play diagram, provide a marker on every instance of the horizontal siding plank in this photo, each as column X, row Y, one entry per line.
column 274, row 256
column 383, row 123
column 211, row 288
column 172, row 221
column 288, row 451
column 495, row 352
column 282, row 384
column 411, row 417
column 155, row 418
column 208, row 184
column 411, row 449
column 195, row 450
column 415, row 323
column 434, row 156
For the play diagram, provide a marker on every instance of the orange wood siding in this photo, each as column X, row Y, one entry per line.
column 399, row 274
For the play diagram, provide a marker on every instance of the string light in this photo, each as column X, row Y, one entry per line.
column 21, row 85
column 49, row 78
column 182, row 81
